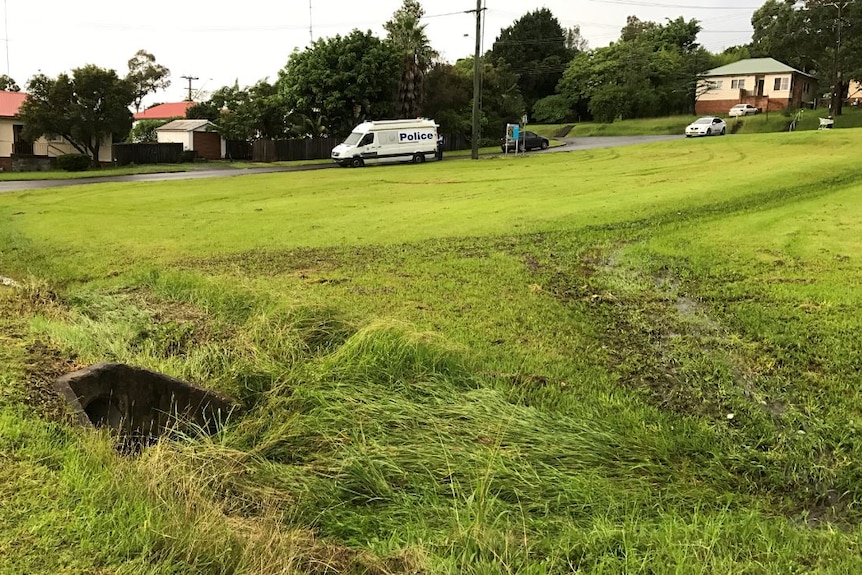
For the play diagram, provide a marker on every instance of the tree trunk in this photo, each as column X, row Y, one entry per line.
column 837, row 102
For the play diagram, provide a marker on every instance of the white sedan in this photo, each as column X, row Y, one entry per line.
column 743, row 110
column 706, row 126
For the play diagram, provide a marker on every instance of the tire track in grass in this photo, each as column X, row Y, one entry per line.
column 674, row 352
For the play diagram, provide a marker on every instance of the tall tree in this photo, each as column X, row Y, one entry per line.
column 7, row 84
column 575, row 41
column 346, row 79
column 823, row 37
column 538, row 49
column 248, row 113
column 408, row 36
column 450, row 98
column 651, row 71
column 146, row 76
column 85, row 108
column 777, row 34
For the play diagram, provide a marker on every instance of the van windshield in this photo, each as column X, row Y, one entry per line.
column 353, row 138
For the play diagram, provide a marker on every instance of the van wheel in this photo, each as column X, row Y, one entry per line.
column 418, row 158
column 356, row 163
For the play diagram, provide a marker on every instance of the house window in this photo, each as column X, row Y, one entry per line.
column 782, row 84
column 806, row 87
column 737, row 84
column 52, row 137
column 714, row 84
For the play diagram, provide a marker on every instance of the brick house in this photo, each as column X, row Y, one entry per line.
column 762, row 82
column 15, row 149
column 854, row 93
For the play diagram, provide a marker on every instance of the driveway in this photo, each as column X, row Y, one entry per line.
column 572, row 144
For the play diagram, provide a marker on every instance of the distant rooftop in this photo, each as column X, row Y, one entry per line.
column 10, row 102
column 186, row 126
column 165, row 111
column 753, row 66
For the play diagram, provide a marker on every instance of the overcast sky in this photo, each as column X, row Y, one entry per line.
column 222, row 42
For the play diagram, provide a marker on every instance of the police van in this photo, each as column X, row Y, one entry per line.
column 385, row 141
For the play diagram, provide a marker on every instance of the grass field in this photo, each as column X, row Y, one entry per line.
column 761, row 123
column 632, row 360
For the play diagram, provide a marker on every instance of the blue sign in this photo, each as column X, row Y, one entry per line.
column 516, row 130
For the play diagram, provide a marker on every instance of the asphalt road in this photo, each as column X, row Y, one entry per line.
column 572, row 144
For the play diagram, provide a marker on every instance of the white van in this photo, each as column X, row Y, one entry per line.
column 384, row 141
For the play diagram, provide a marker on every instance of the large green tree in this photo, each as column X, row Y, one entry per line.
column 823, row 37
column 537, row 49
column 146, row 76
column 345, row 79
column 651, row 70
column 450, row 98
column 8, row 84
column 85, row 108
column 408, row 37
column 250, row 113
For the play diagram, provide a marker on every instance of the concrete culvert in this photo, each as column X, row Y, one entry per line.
column 139, row 404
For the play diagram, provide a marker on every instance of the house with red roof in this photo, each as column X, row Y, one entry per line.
column 170, row 111
column 13, row 145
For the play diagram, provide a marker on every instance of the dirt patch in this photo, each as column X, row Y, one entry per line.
column 32, row 363
column 44, row 365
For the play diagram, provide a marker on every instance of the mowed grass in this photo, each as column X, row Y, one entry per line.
column 757, row 124
column 639, row 360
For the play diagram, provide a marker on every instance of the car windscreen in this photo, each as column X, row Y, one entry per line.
column 353, row 138
column 704, row 121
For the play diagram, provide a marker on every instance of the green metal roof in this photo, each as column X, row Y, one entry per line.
column 753, row 66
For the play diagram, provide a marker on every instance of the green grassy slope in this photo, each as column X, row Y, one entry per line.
column 638, row 360
column 761, row 123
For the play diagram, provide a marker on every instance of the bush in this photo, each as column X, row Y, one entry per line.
column 73, row 162
column 187, row 156
column 552, row 109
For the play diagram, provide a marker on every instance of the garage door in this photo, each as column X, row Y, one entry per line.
column 207, row 145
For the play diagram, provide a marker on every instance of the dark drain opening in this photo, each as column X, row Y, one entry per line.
column 102, row 412
column 141, row 405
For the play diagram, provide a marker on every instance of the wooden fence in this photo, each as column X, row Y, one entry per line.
column 126, row 154
column 238, row 150
column 290, row 150
column 321, row 148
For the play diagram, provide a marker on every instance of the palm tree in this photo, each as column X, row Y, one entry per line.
column 409, row 38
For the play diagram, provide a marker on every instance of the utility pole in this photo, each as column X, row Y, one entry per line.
column 189, row 78
column 6, row 27
column 310, row 27
column 837, row 99
column 477, row 86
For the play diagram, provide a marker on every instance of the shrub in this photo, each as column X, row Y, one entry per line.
column 187, row 156
column 552, row 109
column 73, row 162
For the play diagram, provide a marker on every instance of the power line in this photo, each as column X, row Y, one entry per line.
column 662, row 5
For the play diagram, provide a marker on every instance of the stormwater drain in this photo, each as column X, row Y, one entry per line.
column 141, row 405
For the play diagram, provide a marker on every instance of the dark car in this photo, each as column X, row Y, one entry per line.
column 526, row 141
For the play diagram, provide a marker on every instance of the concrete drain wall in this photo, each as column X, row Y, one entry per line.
column 141, row 404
